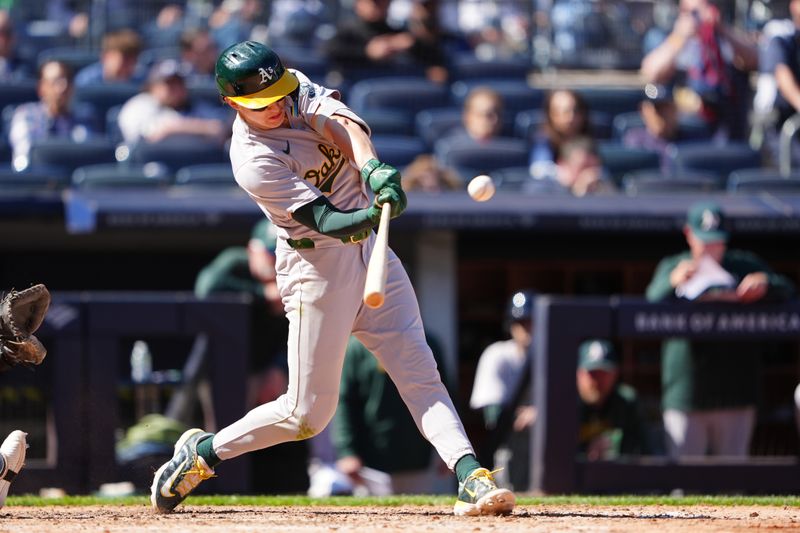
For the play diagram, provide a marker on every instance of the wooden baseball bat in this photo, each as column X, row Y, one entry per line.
column 375, row 285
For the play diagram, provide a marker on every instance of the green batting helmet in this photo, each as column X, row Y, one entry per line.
column 252, row 75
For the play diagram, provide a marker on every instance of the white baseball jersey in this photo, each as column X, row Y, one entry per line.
column 498, row 374
column 285, row 168
column 321, row 288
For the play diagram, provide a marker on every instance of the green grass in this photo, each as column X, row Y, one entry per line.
column 393, row 501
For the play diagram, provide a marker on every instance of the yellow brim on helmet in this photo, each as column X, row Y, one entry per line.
column 271, row 94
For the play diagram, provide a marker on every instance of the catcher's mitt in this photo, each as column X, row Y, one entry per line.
column 21, row 314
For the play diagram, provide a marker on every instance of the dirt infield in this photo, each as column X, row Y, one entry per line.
column 116, row 519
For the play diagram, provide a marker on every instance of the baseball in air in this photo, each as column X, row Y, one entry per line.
column 481, row 188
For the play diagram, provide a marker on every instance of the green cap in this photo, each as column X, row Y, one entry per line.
column 252, row 75
column 265, row 233
column 706, row 221
column 597, row 354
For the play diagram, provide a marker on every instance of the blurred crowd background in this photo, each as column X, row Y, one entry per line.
column 572, row 96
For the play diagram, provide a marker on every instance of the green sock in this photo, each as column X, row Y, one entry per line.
column 206, row 451
column 465, row 466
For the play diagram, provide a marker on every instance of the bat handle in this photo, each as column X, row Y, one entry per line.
column 375, row 286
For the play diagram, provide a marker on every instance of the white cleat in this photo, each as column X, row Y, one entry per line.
column 13, row 459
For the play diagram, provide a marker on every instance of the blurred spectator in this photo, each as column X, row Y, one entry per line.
column 501, row 391
column 165, row 29
column 764, row 111
column 425, row 174
column 580, row 170
column 782, row 58
column 610, row 420
column 119, row 55
column 715, row 59
column 481, row 116
column 659, row 114
column 372, row 428
column 495, row 29
column 164, row 110
column 52, row 116
column 199, row 54
column 237, row 20
column 296, row 22
column 709, row 388
column 566, row 117
column 364, row 39
column 247, row 270
column 664, row 14
column 12, row 67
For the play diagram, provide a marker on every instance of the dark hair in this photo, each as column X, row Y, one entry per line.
column 554, row 138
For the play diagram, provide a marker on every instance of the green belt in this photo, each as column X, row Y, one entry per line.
column 305, row 242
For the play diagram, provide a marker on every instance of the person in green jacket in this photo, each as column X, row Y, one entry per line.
column 373, row 428
column 249, row 269
column 610, row 419
column 709, row 388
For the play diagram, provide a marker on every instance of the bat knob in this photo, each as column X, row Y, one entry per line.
column 373, row 300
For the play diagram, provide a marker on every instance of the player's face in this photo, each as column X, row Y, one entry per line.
column 594, row 386
column 267, row 118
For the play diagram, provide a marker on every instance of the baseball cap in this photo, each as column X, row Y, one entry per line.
column 706, row 221
column 597, row 354
column 166, row 69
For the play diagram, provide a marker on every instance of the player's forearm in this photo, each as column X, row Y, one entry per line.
column 323, row 217
column 351, row 138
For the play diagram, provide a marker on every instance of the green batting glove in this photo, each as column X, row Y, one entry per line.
column 378, row 175
column 394, row 195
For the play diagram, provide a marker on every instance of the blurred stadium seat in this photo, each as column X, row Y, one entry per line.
column 75, row 58
column 305, row 60
column 619, row 160
column 469, row 158
column 176, row 154
column 103, row 97
column 433, row 124
column 762, row 180
column 465, row 66
column 398, row 150
column 107, row 175
column 150, row 56
column 719, row 160
column 611, row 100
column 389, row 121
column 517, row 95
column 653, row 182
column 209, row 175
column 69, row 155
column 5, row 150
column 409, row 95
column 17, row 92
column 690, row 127
column 41, row 178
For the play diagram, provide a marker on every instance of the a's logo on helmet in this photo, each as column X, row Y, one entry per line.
column 267, row 74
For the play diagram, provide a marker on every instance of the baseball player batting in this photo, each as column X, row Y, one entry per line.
column 306, row 159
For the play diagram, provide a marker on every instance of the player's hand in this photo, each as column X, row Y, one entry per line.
column 753, row 287
column 378, row 175
column 394, row 195
column 682, row 272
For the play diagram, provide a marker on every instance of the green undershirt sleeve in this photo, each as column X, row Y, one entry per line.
column 323, row 217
